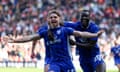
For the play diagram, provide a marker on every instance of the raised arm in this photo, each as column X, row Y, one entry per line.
column 87, row 34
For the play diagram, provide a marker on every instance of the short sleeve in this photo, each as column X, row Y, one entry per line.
column 69, row 30
column 41, row 32
column 42, row 28
column 70, row 24
column 112, row 50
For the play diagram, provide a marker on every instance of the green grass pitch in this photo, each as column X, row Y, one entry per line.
column 33, row 70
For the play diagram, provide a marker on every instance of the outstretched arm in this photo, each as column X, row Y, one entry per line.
column 87, row 34
column 24, row 39
column 90, row 44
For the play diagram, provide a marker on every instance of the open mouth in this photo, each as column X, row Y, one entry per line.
column 53, row 21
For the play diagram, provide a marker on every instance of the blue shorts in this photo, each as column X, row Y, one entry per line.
column 62, row 66
column 117, row 61
column 90, row 65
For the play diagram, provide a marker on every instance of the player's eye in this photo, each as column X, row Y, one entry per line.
column 53, row 17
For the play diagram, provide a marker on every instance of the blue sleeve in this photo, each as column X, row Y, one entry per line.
column 42, row 28
column 69, row 24
column 41, row 32
column 94, row 29
column 45, row 27
column 112, row 50
column 69, row 31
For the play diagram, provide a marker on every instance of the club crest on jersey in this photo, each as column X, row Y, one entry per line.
column 58, row 32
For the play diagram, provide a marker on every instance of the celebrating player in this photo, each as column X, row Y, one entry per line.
column 56, row 40
column 87, row 48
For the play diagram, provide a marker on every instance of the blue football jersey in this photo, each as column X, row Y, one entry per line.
column 116, row 51
column 88, row 56
column 92, row 28
column 59, row 48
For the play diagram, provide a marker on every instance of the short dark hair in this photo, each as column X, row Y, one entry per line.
column 85, row 12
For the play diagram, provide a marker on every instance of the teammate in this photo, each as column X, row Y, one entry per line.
column 56, row 39
column 87, row 48
column 115, row 52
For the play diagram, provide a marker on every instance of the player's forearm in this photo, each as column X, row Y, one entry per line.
column 84, row 45
column 22, row 40
column 88, row 35
column 85, row 34
column 26, row 39
column 33, row 45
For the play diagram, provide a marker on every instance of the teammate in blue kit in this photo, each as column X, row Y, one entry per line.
column 56, row 41
column 115, row 52
column 87, row 48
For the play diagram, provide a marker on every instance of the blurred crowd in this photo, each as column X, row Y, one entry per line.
column 23, row 17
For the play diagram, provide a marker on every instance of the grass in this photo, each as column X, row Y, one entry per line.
column 20, row 70
column 32, row 70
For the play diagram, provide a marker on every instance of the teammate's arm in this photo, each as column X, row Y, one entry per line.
column 92, row 41
column 87, row 34
column 89, row 44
